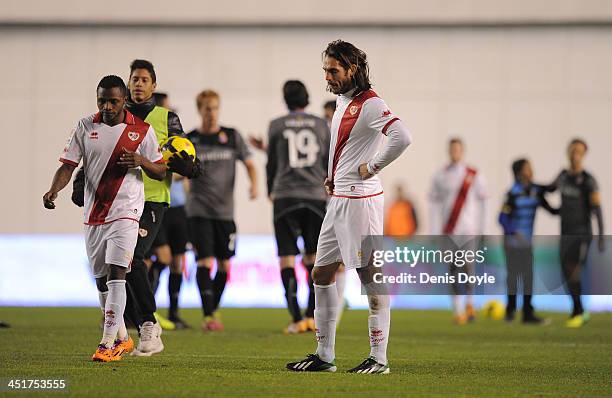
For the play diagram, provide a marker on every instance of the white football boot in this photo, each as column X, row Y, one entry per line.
column 150, row 340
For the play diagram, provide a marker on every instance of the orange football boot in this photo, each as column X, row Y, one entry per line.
column 122, row 347
column 102, row 354
column 460, row 320
column 310, row 324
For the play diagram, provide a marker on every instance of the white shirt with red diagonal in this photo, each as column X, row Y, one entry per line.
column 446, row 184
column 357, row 131
column 112, row 192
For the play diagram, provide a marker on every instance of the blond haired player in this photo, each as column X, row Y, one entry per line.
column 116, row 148
column 355, row 210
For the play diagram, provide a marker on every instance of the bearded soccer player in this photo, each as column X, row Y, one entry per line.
column 355, row 209
column 580, row 200
column 114, row 146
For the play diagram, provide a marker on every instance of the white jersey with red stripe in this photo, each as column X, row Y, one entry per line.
column 445, row 188
column 112, row 192
column 357, row 130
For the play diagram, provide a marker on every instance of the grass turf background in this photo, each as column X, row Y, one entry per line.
column 428, row 357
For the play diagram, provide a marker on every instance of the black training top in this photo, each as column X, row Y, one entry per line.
column 576, row 208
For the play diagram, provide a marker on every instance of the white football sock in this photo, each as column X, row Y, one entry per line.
column 457, row 307
column 113, row 311
column 102, row 297
column 326, row 315
column 340, row 283
column 379, row 322
column 122, row 333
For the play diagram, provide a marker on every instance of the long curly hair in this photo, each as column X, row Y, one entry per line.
column 347, row 54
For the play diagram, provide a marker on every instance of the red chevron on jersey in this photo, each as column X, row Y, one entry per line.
column 348, row 122
column 113, row 174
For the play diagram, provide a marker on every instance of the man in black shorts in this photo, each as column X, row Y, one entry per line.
column 171, row 242
column 580, row 199
column 210, row 204
column 298, row 145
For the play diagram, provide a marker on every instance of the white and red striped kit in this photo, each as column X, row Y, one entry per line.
column 355, row 209
column 114, row 194
column 455, row 210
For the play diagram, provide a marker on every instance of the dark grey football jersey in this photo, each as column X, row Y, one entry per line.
column 576, row 209
column 212, row 193
column 298, row 147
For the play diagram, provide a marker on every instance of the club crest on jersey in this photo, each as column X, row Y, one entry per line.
column 132, row 135
column 353, row 110
column 143, row 232
column 93, row 135
column 222, row 137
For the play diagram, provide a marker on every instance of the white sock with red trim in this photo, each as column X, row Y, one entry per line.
column 379, row 323
column 113, row 311
column 340, row 284
column 122, row 333
column 326, row 316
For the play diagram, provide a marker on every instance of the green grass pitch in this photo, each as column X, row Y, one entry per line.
column 428, row 357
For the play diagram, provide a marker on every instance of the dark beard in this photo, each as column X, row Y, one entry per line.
column 345, row 87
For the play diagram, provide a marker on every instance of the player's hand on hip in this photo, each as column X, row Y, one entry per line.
column 130, row 159
column 329, row 186
column 363, row 171
column 48, row 200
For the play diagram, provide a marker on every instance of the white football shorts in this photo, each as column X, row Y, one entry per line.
column 111, row 243
column 347, row 224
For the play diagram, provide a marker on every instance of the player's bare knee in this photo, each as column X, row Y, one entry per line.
column 117, row 273
column 164, row 254
column 320, row 276
column 366, row 274
column 287, row 262
column 223, row 265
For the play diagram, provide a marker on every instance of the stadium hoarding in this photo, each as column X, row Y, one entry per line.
column 52, row 270
column 488, row 265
